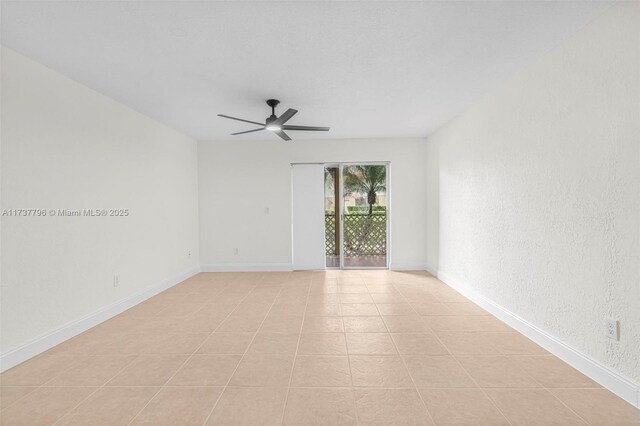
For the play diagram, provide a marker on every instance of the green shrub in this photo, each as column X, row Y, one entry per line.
column 365, row 209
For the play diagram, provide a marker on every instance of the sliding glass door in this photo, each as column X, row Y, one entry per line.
column 356, row 215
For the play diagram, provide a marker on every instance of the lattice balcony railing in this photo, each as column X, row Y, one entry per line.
column 330, row 233
column 364, row 234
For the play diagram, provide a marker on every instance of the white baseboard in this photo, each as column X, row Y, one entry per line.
column 398, row 266
column 433, row 271
column 620, row 385
column 247, row 267
column 58, row 335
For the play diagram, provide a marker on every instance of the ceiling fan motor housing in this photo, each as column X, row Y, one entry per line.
column 273, row 103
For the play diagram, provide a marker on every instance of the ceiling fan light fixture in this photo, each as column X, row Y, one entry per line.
column 274, row 128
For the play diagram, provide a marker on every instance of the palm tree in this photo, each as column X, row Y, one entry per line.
column 368, row 180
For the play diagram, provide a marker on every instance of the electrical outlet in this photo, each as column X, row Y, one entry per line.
column 235, row 251
column 116, row 280
column 189, row 254
column 612, row 328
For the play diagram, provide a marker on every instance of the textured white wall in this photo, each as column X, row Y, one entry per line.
column 238, row 179
column 66, row 146
column 539, row 192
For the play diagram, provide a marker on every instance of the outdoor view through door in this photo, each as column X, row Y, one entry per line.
column 356, row 216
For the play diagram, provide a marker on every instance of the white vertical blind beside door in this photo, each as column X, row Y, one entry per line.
column 308, row 216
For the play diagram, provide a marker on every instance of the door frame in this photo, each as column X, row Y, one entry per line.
column 340, row 166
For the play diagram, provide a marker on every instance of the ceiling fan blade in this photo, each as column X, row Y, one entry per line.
column 312, row 128
column 247, row 131
column 284, row 117
column 240, row 119
column 282, row 134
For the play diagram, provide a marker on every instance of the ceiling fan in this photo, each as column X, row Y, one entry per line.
column 276, row 124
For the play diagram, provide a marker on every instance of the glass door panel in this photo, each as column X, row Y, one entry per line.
column 364, row 216
column 332, row 212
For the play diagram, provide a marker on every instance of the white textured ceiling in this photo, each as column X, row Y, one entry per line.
column 367, row 69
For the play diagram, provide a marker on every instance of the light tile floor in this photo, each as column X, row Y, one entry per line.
column 335, row 347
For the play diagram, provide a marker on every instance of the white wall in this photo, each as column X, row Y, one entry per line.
column 538, row 187
column 432, row 207
column 65, row 146
column 239, row 179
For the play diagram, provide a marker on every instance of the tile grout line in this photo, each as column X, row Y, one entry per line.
column 542, row 387
column 190, row 356
column 66, row 413
column 23, row 396
column 548, row 390
column 483, row 390
column 245, row 351
column 451, row 355
column 506, row 356
column 92, row 393
column 309, row 387
column 295, row 356
column 316, row 387
column 36, row 387
column 424, row 404
column 461, row 366
column 353, row 389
